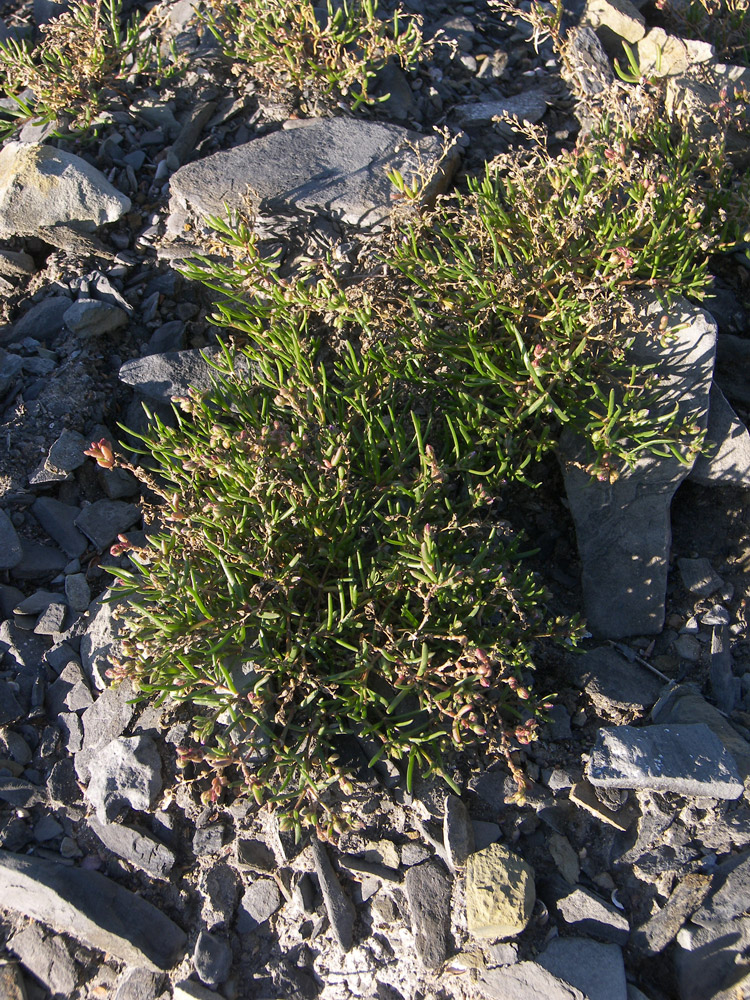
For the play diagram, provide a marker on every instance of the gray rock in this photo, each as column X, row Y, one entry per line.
column 730, row 895
column 90, row 908
column 716, row 615
column 428, row 890
column 126, row 772
column 136, row 847
column 100, row 642
column 623, row 528
column 92, row 318
column 585, row 913
column 21, row 650
column 42, row 187
column 11, row 552
column 39, row 562
column 557, row 726
column 66, row 454
column 594, row 968
column 71, row 727
column 44, row 320
column 339, row 907
column 338, row 166
column 168, row 337
column 615, row 685
column 103, row 520
column 686, row 759
column 212, row 959
column 705, row 961
column 726, row 458
column 484, row 833
column 118, row 483
column 684, row 703
column 16, row 263
column 725, row 687
column 654, row 936
column 219, row 889
column 260, row 901
column 139, row 984
column 208, row 839
column 51, row 620
column 458, row 833
column 528, row 106
column 69, row 692
column 688, row 648
column 10, row 708
column 698, row 576
column 37, row 602
column 162, row 376
column 77, row 591
column 47, row 829
column 21, row 794
column 47, row 958
column 526, row 981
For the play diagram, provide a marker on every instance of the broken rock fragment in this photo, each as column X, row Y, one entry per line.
column 91, row 908
column 42, row 187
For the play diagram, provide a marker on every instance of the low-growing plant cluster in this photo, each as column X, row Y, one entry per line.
column 81, row 54
column 329, row 562
column 323, row 54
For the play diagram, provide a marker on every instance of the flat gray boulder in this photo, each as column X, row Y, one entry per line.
column 91, row 908
column 337, row 166
column 526, row 981
column 685, row 759
column 623, row 528
column 42, row 187
column 596, row 969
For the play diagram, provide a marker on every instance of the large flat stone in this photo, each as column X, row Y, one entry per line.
column 686, row 759
column 42, row 187
column 623, row 528
column 91, row 908
column 594, row 968
column 526, row 981
column 337, row 166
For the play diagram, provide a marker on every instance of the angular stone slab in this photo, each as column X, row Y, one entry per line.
column 162, row 376
column 688, row 760
column 91, row 908
column 428, row 890
column 587, row 914
column 594, row 968
column 337, row 166
column 42, row 187
column 623, row 528
column 134, row 846
column 526, row 981
column 728, row 460
column 529, row 106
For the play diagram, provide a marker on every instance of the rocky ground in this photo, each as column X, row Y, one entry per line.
column 625, row 870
